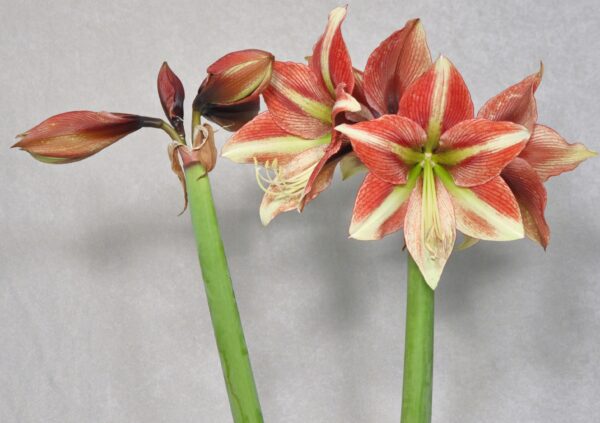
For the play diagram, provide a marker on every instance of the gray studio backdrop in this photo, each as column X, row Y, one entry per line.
column 103, row 316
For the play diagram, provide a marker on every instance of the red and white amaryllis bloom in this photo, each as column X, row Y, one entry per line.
column 294, row 141
column 391, row 68
column 546, row 154
column 433, row 168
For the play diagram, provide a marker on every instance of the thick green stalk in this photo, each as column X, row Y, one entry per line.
column 418, row 348
column 227, row 326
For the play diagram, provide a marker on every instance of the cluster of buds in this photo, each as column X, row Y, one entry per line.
column 228, row 96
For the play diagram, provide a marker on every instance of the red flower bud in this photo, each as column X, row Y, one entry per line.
column 74, row 136
column 229, row 94
column 171, row 93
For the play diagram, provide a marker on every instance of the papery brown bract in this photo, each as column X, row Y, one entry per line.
column 172, row 95
column 229, row 95
column 73, row 136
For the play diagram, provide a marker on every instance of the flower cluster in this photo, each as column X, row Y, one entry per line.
column 433, row 165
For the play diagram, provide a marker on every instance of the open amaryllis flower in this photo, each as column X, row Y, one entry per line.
column 433, row 168
column 294, row 140
column 546, row 154
column 391, row 68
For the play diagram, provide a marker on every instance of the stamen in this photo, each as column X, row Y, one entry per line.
column 272, row 179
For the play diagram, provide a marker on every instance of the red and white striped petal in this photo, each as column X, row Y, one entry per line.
column 437, row 100
column 531, row 196
column 489, row 211
column 359, row 86
column 430, row 230
column 344, row 103
column 550, row 155
column 319, row 182
column 379, row 208
column 262, row 140
column 297, row 102
column 394, row 65
column 516, row 103
column 476, row 150
column 286, row 191
column 330, row 60
column 388, row 146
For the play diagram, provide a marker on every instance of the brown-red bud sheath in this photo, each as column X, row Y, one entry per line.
column 172, row 95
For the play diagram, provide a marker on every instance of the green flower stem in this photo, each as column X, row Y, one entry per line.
column 227, row 326
column 418, row 348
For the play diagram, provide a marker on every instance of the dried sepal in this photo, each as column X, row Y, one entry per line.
column 204, row 149
column 177, row 169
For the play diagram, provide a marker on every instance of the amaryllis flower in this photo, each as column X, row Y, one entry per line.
column 546, row 154
column 73, row 136
column 433, row 169
column 391, row 68
column 229, row 95
column 294, row 140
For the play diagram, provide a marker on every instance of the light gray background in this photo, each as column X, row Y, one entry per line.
column 103, row 316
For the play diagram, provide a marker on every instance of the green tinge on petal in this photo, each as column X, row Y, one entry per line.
column 54, row 160
column 506, row 229
column 242, row 152
column 366, row 229
column 467, row 242
column 315, row 109
column 351, row 165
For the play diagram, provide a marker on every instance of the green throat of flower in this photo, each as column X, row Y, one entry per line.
column 436, row 240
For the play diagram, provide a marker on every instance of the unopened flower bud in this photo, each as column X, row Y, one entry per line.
column 73, row 136
column 229, row 95
column 172, row 94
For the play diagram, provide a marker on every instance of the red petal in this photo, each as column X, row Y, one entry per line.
column 359, row 89
column 477, row 150
column 330, row 60
column 379, row 209
column 394, row 65
column 516, row 103
column 550, row 155
column 388, row 146
column 531, row 196
column 297, row 101
column 488, row 211
column 437, row 100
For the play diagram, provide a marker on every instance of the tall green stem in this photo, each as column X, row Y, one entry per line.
column 227, row 326
column 418, row 348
